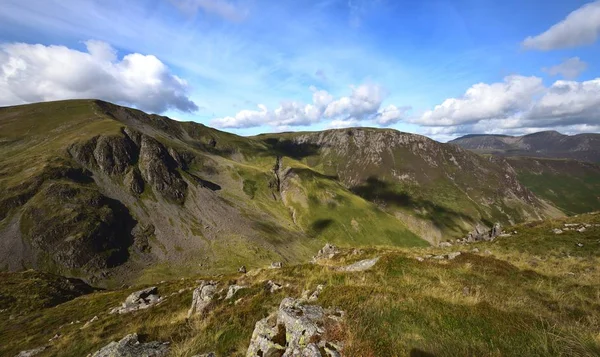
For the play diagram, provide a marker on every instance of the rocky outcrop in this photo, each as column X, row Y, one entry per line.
column 159, row 169
column 141, row 236
column 483, row 234
column 232, row 290
column 140, row 158
column 139, row 300
column 361, row 265
column 327, row 252
column 296, row 329
column 31, row 353
column 202, row 297
column 130, row 346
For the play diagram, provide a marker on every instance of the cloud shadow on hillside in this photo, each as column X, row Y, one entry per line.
column 383, row 194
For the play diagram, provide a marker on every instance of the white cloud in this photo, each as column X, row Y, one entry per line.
column 222, row 8
column 567, row 103
column 33, row 73
column 569, row 69
column 365, row 100
column 485, row 101
column 391, row 115
column 362, row 104
column 566, row 106
column 343, row 123
column 580, row 27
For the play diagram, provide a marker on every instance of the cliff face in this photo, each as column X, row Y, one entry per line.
column 103, row 192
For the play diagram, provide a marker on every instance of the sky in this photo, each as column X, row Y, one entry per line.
column 437, row 68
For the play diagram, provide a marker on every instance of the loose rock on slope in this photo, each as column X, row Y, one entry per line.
column 130, row 346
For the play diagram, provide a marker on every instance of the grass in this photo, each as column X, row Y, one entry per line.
column 479, row 304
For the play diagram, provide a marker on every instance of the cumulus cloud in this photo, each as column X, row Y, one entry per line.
column 485, row 101
column 569, row 69
column 580, row 27
column 391, row 115
column 363, row 103
column 568, row 106
column 33, row 73
column 221, row 8
column 364, row 100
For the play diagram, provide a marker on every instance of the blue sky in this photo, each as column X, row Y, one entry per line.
column 311, row 65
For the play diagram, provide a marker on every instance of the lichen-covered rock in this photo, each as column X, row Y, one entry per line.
column 139, row 300
column 130, row 346
column 295, row 329
column 202, row 297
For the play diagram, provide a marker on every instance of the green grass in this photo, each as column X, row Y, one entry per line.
column 479, row 304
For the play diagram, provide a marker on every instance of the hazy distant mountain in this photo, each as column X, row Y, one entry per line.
column 585, row 147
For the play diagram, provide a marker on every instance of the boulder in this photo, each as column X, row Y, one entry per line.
column 295, row 329
column 276, row 265
column 232, row 290
column 445, row 245
column 272, row 286
column 361, row 265
column 242, row 269
column 327, row 252
column 130, row 346
column 453, row 255
column 202, row 297
column 557, row 231
column 139, row 300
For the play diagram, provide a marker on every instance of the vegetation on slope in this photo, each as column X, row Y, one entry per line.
column 533, row 293
column 573, row 186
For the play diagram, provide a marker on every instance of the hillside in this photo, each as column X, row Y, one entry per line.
column 110, row 194
column 549, row 144
column 533, row 293
column 573, row 186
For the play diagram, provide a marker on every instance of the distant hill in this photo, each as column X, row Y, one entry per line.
column 551, row 144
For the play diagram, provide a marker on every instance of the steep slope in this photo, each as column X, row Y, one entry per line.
column 439, row 190
column 573, row 186
column 551, row 144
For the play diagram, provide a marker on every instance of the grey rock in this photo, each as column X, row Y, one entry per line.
column 202, row 297
column 581, row 229
column 31, row 353
column 139, row 300
column 557, row 231
column 475, row 250
column 315, row 295
column 134, row 181
column 130, row 346
column 445, row 245
column 242, row 269
column 420, row 259
column 276, row 265
column 327, row 252
column 360, row 265
column 294, row 330
column 580, row 245
column 272, row 286
column 453, row 255
column 232, row 290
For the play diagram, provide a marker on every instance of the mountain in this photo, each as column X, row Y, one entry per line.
column 109, row 194
column 551, row 144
